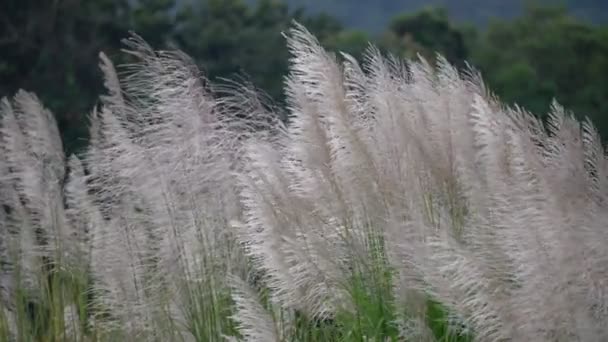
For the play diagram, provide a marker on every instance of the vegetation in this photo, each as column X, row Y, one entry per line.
column 51, row 49
column 372, row 15
column 402, row 202
column 233, row 187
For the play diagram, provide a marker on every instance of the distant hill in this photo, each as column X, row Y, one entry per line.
column 373, row 15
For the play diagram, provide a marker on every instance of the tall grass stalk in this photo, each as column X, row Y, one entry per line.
column 401, row 202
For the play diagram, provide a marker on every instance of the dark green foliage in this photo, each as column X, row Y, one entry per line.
column 432, row 29
column 373, row 15
column 547, row 54
column 426, row 32
column 51, row 47
column 438, row 319
column 228, row 37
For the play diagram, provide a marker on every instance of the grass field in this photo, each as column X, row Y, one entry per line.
column 400, row 202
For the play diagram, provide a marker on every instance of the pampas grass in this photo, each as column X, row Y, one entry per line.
column 403, row 201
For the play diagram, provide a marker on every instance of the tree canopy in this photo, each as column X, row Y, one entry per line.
column 52, row 47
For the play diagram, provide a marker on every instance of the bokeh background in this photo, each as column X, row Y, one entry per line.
column 530, row 52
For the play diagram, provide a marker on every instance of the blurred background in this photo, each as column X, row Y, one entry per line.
column 529, row 52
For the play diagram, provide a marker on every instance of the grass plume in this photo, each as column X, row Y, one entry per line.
column 402, row 201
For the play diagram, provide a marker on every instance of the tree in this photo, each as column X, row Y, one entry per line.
column 49, row 46
column 426, row 32
column 52, row 47
column 547, row 54
column 228, row 37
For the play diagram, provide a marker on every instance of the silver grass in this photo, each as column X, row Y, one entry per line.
column 481, row 207
column 162, row 160
column 34, row 156
column 254, row 321
column 39, row 245
column 33, row 173
column 405, row 181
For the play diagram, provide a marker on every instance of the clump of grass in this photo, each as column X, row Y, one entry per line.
column 402, row 202
column 417, row 172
